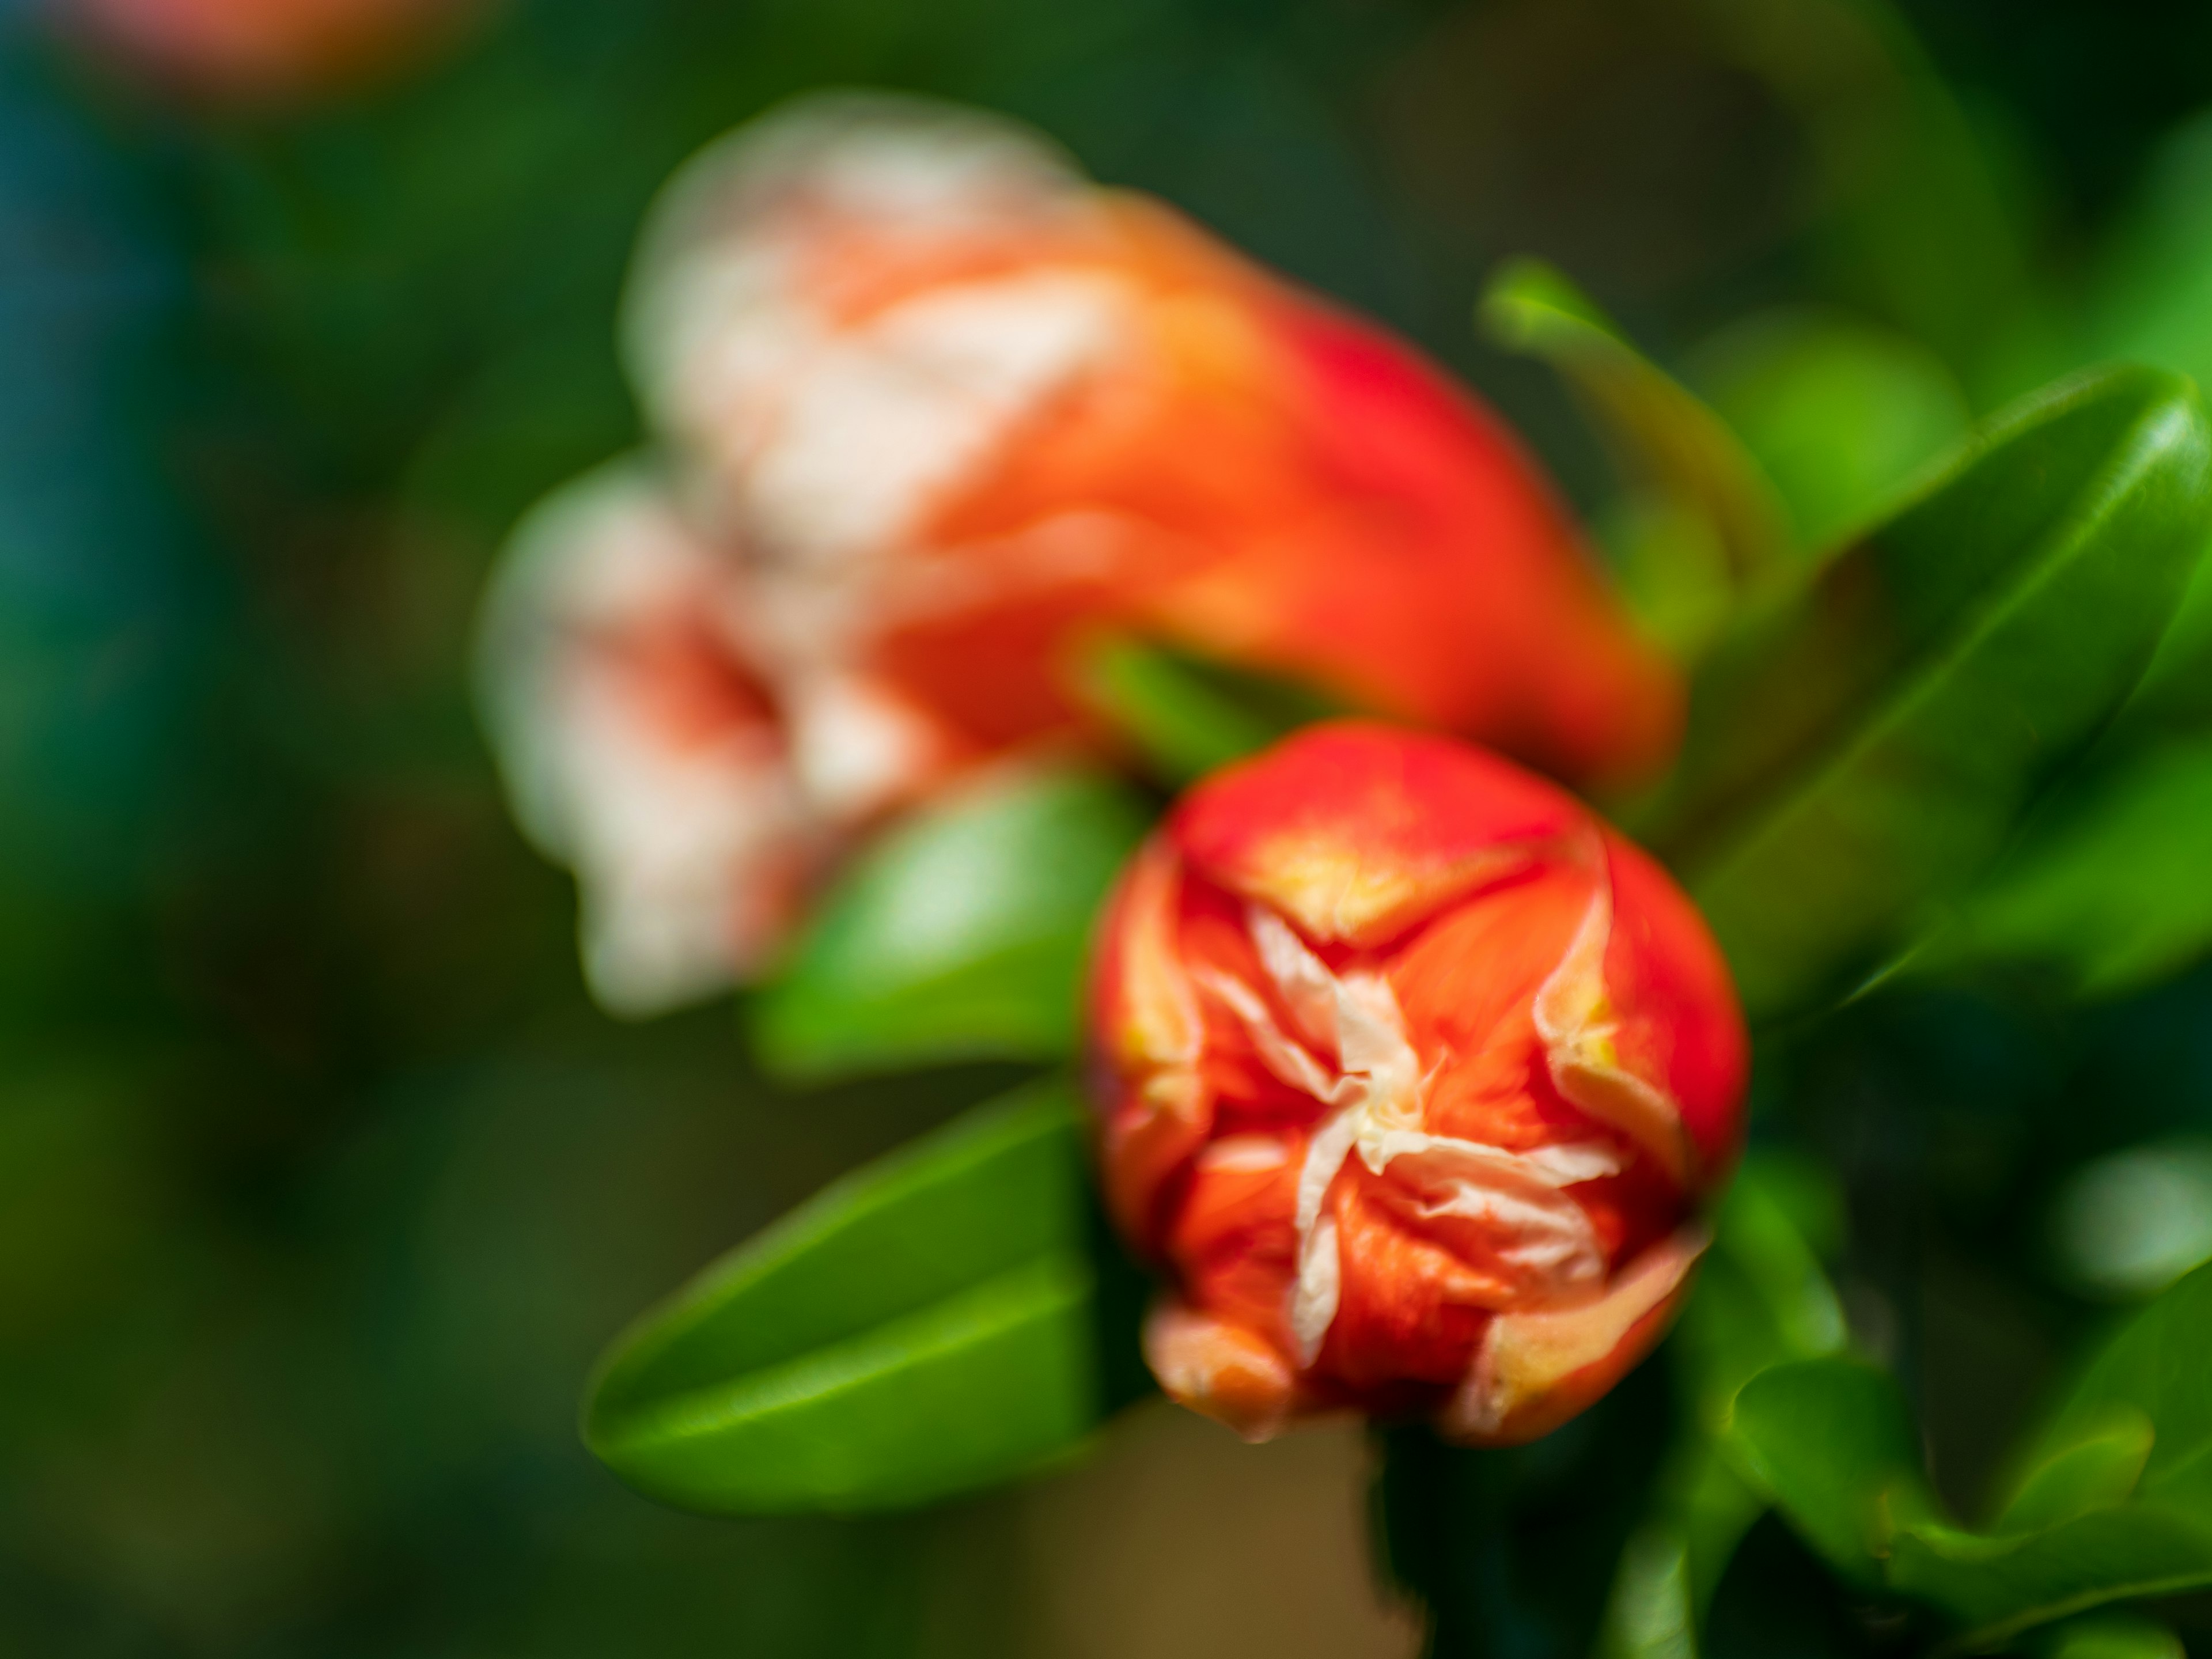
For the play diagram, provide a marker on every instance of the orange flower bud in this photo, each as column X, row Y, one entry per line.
column 938, row 413
column 1413, row 1075
column 981, row 406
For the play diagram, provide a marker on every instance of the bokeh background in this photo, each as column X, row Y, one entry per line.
column 321, row 1180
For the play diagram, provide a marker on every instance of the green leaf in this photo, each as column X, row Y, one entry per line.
column 2159, row 1365
column 2000, row 1586
column 2108, row 1636
column 1761, row 1299
column 1830, row 1442
column 922, row 1328
column 1186, row 713
column 1859, row 752
column 1840, row 414
column 2104, row 885
column 1651, row 1615
column 1711, row 524
column 2097, row 1472
column 961, row 934
column 2128, row 1224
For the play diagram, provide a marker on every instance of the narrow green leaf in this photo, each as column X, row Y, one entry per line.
column 1664, row 434
column 922, row 1328
column 1669, row 443
column 1829, row 1440
column 1187, row 715
column 1859, row 753
column 1998, row 1587
column 960, row 935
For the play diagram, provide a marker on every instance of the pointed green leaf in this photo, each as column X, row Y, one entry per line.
column 1859, row 753
column 1830, row 1442
column 922, row 1328
column 960, row 935
column 1706, row 493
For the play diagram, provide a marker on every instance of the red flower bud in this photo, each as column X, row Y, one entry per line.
column 1413, row 1075
column 930, row 370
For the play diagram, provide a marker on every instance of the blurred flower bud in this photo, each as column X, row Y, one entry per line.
column 1413, row 1076
column 939, row 414
column 926, row 368
column 265, row 49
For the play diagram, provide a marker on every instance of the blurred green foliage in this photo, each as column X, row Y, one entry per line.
column 320, row 1180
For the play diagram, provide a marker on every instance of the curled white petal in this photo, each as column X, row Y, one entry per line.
column 833, row 431
column 1306, row 986
column 1377, row 1093
column 1320, row 1284
column 676, row 835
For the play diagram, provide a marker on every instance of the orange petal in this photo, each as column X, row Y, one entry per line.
column 1576, row 1017
column 1222, row 1370
column 1534, row 1371
column 1356, row 830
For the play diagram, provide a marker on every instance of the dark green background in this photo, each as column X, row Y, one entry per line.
column 320, row 1180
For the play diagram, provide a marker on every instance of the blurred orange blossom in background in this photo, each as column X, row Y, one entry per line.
column 939, row 416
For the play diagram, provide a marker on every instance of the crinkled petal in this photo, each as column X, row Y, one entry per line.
column 1536, row 1369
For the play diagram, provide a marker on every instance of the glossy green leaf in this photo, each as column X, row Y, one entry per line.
column 1998, row 1587
column 961, row 934
column 2105, row 885
column 1859, row 753
column 2094, row 1520
column 1710, row 525
column 1830, row 1442
column 1187, row 714
column 922, row 1328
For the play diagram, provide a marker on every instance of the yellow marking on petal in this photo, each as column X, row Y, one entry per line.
column 1160, row 1027
column 1524, row 1355
column 1335, row 893
column 1574, row 1017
